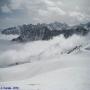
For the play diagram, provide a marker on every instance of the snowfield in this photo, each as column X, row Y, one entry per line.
column 58, row 64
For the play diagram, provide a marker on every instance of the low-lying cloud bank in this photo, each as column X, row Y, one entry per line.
column 41, row 50
column 7, row 37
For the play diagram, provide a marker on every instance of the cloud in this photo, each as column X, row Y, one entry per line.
column 57, row 10
column 39, row 50
column 34, row 11
column 49, row 3
column 5, row 9
column 78, row 15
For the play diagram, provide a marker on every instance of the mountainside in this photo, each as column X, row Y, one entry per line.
column 46, row 31
column 18, row 29
column 57, row 64
column 61, row 63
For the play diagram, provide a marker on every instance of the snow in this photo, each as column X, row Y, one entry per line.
column 48, row 68
column 68, row 73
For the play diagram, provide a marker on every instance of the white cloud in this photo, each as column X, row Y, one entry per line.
column 57, row 10
column 78, row 15
column 43, row 12
column 59, row 3
column 49, row 3
column 34, row 11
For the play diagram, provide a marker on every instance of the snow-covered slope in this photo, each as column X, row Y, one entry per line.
column 57, row 64
column 66, row 73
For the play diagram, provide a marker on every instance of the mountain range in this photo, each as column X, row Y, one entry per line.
column 44, row 31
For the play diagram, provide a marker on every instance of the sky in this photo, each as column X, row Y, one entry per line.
column 18, row 12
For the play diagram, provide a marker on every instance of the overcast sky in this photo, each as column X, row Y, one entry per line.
column 17, row 12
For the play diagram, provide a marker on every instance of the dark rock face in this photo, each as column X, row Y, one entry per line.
column 46, row 31
column 37, row 33
column 11, row 30
column 78, row 31
column 20, row 29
